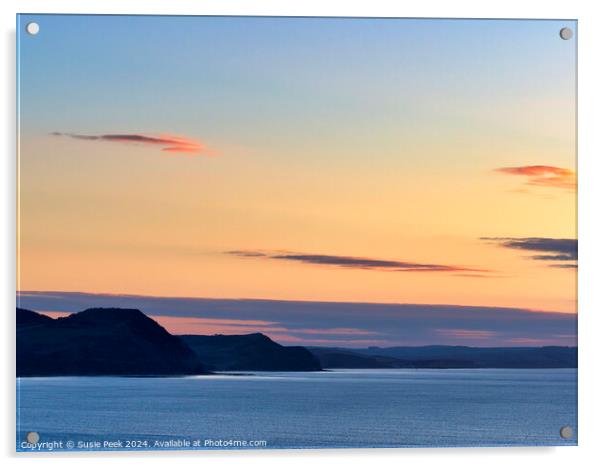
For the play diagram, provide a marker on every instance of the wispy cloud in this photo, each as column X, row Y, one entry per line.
column 334, row 331
column 467, row 334
column 352, row 262
column 555, row 249
column 292, row 339
column 167, row 142
column 544, row 175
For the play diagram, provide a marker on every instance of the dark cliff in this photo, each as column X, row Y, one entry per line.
column 100, row 341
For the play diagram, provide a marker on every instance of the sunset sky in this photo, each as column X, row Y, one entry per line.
column 332, row 160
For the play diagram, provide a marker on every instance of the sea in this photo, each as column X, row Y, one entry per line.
column 359, row 408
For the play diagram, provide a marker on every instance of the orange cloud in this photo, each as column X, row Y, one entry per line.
column 544, row 175
column 168, row 142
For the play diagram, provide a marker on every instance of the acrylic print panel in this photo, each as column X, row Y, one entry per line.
column 254, row 232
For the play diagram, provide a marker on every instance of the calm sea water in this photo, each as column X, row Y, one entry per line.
column 341, row 408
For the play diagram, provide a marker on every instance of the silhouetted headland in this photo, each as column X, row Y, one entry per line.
column 100, row 341
column 254, row 352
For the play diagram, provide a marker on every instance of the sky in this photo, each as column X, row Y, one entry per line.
column 422, row 162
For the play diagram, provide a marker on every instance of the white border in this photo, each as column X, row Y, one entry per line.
column 590, row 234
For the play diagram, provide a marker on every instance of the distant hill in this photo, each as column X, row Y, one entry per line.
column 447, row 357
column 100, row 341
column 254, row 352
column 25, row 317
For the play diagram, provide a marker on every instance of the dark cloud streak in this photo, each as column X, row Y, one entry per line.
column 557, row 249
column 351, row 262
column 169, row 143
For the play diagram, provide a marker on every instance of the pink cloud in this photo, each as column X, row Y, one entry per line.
column 528, row 341
column 288, row 339
column 55, row 314
column 204, row 326
column 333, row 331
column 468, row 334
column 544, row 175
